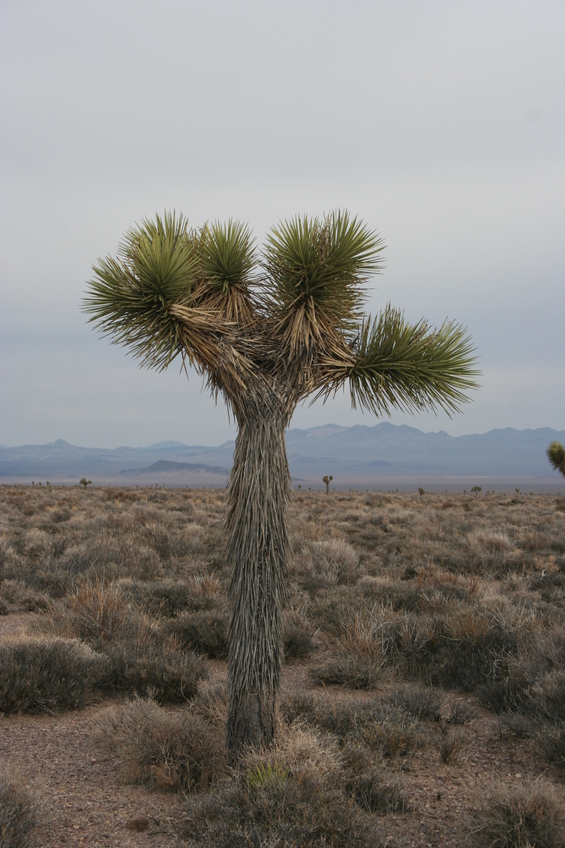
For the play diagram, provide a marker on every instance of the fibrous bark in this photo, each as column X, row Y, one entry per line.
column 258, row 545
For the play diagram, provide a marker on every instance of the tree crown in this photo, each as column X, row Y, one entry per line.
column 288, row 317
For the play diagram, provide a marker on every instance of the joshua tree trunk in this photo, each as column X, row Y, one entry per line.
column 258, row 544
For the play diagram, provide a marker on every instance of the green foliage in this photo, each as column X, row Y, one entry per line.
column 556, row 456
column 410, row 366
column 266, row 773
column 227, row 255
column 174, row 291
column 319, row 268
column 131, row 295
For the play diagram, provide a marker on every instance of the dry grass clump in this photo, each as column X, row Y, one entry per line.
column 489, row 542
column 452, row 743
column 166, row 674
column 371, row 783
column 44, row 674
column 526, row 815
column 298, row 636
column 139, row 659
column 460, row 649
column 379, row 724
column 169, row 597
column 177, row 751
column 18, row 812
column 100, row 614
column 359, row 658
column 203, row 631
column 324, row 563
column 295, row 794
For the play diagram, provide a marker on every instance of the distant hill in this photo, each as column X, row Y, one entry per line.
column 382, row 456
column 164, row 465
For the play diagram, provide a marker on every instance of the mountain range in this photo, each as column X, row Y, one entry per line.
column 381, row 457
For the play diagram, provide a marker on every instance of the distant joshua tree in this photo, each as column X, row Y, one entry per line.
column 84, row 482
column 268, row 330
column 556, row 455
column 327, row 480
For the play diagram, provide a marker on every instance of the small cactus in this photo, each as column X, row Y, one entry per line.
column 327, row 480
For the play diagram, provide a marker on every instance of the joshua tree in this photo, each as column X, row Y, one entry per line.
column 556, row 455
column 327, row 480
column 268, row 330
column 84, row 482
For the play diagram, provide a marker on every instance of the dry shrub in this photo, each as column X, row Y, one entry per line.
column 288, row 796
column 170, row 676
column 489, row 542
column 333, row 610
column 551, row 739
column 177, row 751
column 377, row 724
column 99, row 613
column 534, row 683
column 42, row 674
column 371, row 783
column 18, row 812
column 459, row 651
column 205, row 632
column 17, row 595
column 423, row 704
column 452, row 742
column 140, row 660
column 359, row 671
column 327, row 563
column 169, row 597
column 526, row 815
column 359, row 660
column 533, row 540
column 298, row 642
column 211, row 703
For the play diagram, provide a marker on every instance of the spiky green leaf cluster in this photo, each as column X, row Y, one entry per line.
column 227, row 255
column 321, row 267
column 411, row 367
column 130, row 296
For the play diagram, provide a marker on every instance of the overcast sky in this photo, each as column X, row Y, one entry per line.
column 441, row 124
